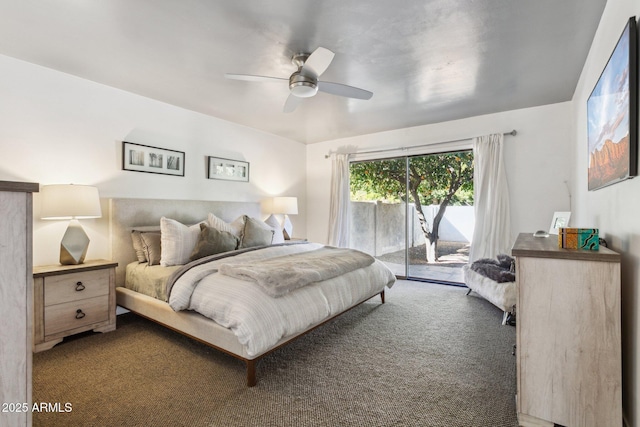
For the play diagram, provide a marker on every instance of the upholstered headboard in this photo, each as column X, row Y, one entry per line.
column 126, row 214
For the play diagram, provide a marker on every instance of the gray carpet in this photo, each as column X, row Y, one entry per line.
column 430, row 356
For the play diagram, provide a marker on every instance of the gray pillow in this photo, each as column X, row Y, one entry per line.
column 212, row 241
column 151, row 247
column 255, row 233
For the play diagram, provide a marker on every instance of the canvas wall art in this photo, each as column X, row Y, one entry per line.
column 613, row 115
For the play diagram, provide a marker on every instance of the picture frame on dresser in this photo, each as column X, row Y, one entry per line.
column 559, row 220
column 148, row 159
column 612, row 115
column 227, row 169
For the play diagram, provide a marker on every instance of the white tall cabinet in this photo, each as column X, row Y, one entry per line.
column 569, row 361
column 16, row 302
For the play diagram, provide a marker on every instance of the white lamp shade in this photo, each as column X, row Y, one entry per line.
column 67, row 201
column 285, row 205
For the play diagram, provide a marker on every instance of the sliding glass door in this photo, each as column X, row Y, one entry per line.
column 378, row 211
column 415, row 213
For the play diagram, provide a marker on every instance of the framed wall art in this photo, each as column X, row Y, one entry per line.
column 227, row 169
column 143, row 158
column 612, row 115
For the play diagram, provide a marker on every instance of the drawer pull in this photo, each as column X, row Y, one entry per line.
column 79, row 314
column 80, row 287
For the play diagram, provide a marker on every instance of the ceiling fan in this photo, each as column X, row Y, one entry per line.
column 304, row 83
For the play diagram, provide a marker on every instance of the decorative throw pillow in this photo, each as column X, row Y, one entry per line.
column 255, row 233
column 136, row 239
column 151, row 245
column 234, row 228
column 178, row 240
column 274, row 224
column 212, row 241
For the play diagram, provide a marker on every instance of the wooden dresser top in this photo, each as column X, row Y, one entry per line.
column 527, row 245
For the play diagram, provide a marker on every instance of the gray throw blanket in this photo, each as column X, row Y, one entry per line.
column 501, row 270
column 278, row 276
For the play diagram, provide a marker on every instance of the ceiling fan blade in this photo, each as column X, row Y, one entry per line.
column 344, row 90
column 318, row 62
column 251, row 78
column 291, row 103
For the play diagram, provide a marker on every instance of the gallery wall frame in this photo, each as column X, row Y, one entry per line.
column 227, row 169
column 612, row 115
column 148, row 159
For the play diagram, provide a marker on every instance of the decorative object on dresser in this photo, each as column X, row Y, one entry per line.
column 579, row 238
column 71, row 202
column 569, row 359
column 286, row 206
column 227, row 169
column 16, row 300
column 559, row 220
column 612, row 115
column 73, row 299
column 143, row 158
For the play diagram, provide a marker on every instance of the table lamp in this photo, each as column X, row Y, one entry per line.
column 72, row 202
column 286, row 206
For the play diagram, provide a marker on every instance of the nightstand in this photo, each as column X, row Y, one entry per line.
column 69, row 299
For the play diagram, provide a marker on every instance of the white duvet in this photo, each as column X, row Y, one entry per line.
column 260, row 321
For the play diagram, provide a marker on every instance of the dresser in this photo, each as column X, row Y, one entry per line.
column 569, row 362
column 16, row 301
column 69, row 299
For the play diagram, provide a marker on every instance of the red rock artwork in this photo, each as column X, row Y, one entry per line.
column 609, row 164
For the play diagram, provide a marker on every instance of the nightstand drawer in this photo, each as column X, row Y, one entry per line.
column 75, row 286
column 75, row 314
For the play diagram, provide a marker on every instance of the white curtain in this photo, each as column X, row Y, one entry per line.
column 340, row 201
column 491, row 235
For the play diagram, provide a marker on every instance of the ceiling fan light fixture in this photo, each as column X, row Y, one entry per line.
column 303, row 86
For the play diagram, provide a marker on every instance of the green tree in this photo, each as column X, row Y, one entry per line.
column 441, row 179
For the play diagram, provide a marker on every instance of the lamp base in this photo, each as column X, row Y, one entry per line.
column 287, row 227
column 74, row 244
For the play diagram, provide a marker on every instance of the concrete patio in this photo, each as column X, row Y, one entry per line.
column 429, row 272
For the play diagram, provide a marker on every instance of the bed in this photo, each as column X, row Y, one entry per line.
column 254, row 304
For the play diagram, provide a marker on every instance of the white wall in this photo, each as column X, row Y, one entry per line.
column 57, row 128
column 537, row 161
column 614, row 210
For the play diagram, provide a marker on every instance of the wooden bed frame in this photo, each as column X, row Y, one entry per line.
column 127, row 214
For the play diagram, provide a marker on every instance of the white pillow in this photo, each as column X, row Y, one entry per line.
column 234, row 228
column 177, row 241
column 273, row 224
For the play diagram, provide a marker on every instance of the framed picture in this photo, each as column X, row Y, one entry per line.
column 560, row 220
column 231, row 170
column 143, row 158
column 612, row 115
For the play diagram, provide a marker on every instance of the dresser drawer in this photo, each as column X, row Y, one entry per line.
column 64, row 317
column 75, row 286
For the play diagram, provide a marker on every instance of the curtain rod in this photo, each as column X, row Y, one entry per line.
column 326, row 156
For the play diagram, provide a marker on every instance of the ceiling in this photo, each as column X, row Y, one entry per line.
column 426, row 61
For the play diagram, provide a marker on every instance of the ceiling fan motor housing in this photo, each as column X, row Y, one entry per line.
column 303, row 86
